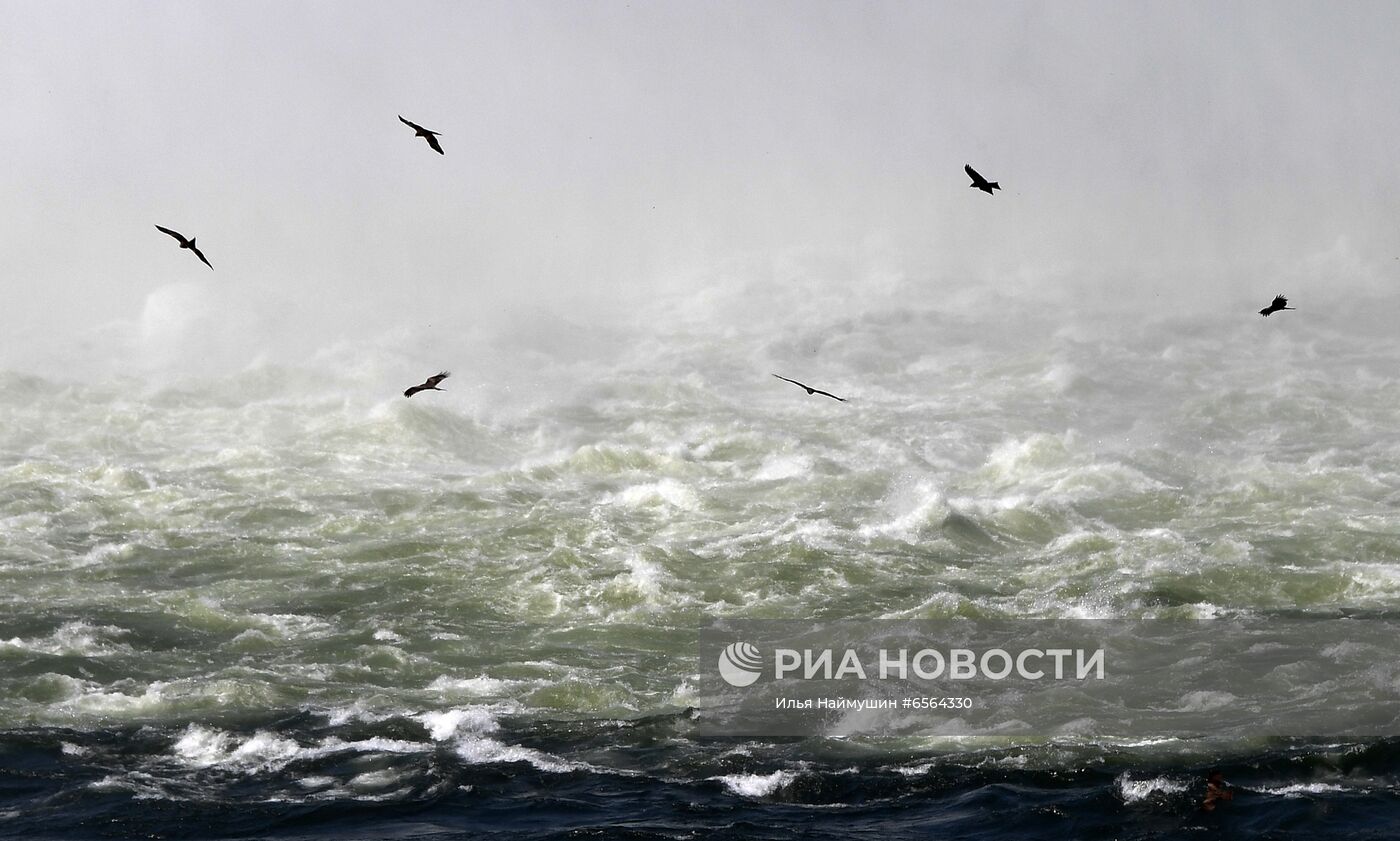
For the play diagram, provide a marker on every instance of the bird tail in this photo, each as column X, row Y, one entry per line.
column 994, row 185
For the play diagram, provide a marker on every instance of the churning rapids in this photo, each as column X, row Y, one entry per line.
column 284, row 601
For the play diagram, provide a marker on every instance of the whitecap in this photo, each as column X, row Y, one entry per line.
column 371, row 780
column 1301, row 789
column 481, row 750
column 72, row 638
column 479, row 685
column 776, row 467
column 756, row 785
column 443, row 725
column 1134, row 791
column 668, row 492
column 204, row 747
column 316, row 782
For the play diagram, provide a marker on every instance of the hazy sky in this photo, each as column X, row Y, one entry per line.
column 597, row 151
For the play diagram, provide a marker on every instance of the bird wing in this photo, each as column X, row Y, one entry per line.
column 200, row 255
column 417, row 127
column 177, row 235
column 810, row 390
column 1279, row 301
column 433, row 142
column 972, row 173
column 412, row 390
column 433, row 381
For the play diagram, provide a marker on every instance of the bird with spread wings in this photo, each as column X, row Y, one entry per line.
column 430, row 136
column 979, row 182
column 810, row 390
column 186, row 243
column 431, row 384
column 1280, row 303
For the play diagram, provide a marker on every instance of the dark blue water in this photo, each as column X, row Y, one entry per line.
column 650, row 779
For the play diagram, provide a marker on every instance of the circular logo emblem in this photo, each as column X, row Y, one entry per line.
column 740, row 664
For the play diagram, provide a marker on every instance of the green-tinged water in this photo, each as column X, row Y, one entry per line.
column 301, row 537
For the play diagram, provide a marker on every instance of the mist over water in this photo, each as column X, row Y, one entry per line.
column 601, row 156
column 244, row 581
column 295, row 580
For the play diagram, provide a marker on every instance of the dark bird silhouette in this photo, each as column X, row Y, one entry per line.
column 186, row 243
column 810, row 390
column 419, row 131
column 431, row 384
column 979, row 182
column 1280, row 303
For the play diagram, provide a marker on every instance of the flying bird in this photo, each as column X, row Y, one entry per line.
column 810, row 390
column 419, row 131
column 1280, row 303
column 431, row 384
column 186, row 243
column 979, row 182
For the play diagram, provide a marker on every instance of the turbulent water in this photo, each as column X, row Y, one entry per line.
column 285, row 601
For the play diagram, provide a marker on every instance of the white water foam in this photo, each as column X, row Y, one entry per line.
column 756, row 785
column 1135, row 791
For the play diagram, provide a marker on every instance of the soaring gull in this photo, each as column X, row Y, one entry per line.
column 419, row 131
column 186, row 243
column 810, row 390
